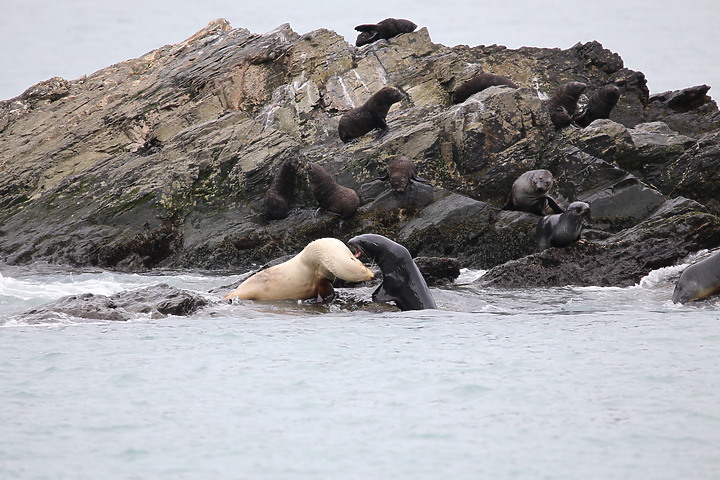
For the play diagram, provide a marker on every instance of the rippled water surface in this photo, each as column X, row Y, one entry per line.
column 561, row 383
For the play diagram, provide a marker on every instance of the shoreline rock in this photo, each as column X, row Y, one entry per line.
column 160, row 161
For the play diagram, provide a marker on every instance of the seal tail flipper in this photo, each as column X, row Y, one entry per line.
column 419, row 178
column 380, row 295
column 554, row 205
column 366, row 27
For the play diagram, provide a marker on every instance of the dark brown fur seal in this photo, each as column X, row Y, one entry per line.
column 563, row 229
column 529, row 193
column 563, row 103
column 330, row 195
column 401, row 172
column 385, row 29
column 369, row 116
column 600, row 105
column 479, row 83
column 278, row 199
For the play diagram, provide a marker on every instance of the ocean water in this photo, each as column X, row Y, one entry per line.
column 673, row 43
column 562, row 383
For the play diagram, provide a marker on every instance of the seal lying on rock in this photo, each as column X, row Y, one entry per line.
column 402, row 281
column 329, row 194
column 277, row 200
column 307, row 275
column 479, row 83
column 529, row 193
column 698, row 281
column 369, row 116
column 600, row 105
column 563, row 103
column 563, row 229
column 401, row 172
column 384, row 29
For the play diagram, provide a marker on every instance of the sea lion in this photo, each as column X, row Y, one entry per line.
column 309, row 274
column 402, row 281
column 384, row 29
column 479, row 83
column 277, row 200
column 563, row 103
column 698, row 281
column 401, row 172
column 599, row 105
column 329, row 194
column 369, row 116
column 561, row 230
column 529, row 193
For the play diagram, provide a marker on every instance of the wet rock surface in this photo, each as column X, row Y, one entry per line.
column 161, row 161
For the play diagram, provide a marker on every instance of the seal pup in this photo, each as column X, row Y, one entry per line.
column 529, row 193
column 277, row 200
column 600, row 105
column 698, row 281
column 309, row 274
column 402, row 281
column 330, row 195
column 384, row 29
column 561, row 230
column 401, row 172
column 369, row 116
column 563, row 104
column 479, row 83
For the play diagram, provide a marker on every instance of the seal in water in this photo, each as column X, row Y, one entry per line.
column 329, row 194
column 479, row 83
column 698, row 281
column 402, row 281
column 563, row 104
column 277, row 200
column 600, row 105
column 369, row 116
column 563, row 229
column 309, row 274
column 529, row 193
column 384, row 29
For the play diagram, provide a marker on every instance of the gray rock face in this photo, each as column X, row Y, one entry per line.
column 161, row 161
column 154, row 302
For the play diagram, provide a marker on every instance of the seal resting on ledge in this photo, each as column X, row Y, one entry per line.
column 369, row 116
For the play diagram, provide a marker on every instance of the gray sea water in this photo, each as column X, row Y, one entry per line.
column 562, row 383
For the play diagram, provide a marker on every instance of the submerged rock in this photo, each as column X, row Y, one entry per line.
column 152, row 302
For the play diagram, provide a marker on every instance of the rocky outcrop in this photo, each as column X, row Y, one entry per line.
column 157, row 301
column 161, row 161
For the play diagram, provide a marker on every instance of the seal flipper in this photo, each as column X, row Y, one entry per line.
column 554, row 205
column 324, row 291
column 380, row 295
column 366, row 27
